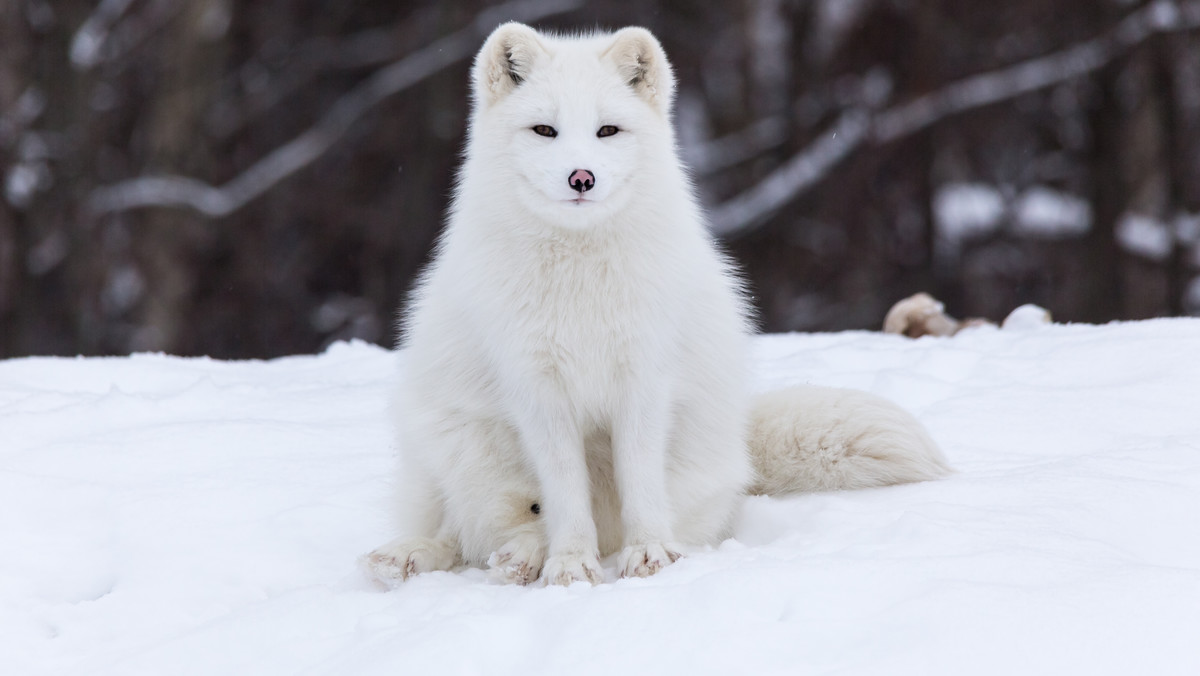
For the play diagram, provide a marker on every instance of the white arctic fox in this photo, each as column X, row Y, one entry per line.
column 575, row 379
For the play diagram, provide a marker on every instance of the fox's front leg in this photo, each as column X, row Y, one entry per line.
column 554, row 444
column 639, row 435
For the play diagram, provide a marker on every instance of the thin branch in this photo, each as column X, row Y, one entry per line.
column 27, row 108
column 739, row 146
column 796, row 175
column 981, row 90
column 868, row 92
column 749, row 209
column 178, row 191
column 87, row 46
column 369, row 48
column 112, row 32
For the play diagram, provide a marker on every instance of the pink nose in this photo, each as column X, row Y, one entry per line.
column 581, row 180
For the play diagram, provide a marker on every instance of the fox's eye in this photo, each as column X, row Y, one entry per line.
column 607, row 130
column 545, row 130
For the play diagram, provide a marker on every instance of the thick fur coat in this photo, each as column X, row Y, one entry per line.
column 575, row 381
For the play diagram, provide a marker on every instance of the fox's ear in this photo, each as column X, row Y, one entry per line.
column 505, row 61
column 643, row 65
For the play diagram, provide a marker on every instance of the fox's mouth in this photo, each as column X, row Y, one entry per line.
column 580, row 200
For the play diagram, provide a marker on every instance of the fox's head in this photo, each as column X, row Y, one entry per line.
column 570, row 124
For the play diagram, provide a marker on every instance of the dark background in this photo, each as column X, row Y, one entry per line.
column 257, row 178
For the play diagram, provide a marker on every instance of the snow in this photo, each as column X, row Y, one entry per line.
column 20, row 184
column 833, row 21
column 965, row 210
column 1145, row 236
column 1187, row 228
column 1164, row 14
column 1049, row 213
column 88, row 44
column 1026, row 317
column 190, row 516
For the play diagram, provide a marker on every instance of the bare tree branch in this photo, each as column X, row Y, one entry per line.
column 747, row 210
column 739, row 146
column 178, row 191
column 366, row 49
column 868, row 92
column 981, row 90
column 795, row 176
column 24, row 111
column 113, row 31
column 87, row 46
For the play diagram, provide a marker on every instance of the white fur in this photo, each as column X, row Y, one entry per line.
column 826, row 438
column 585, row 356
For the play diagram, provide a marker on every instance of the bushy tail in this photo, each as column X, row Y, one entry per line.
column 823, row 438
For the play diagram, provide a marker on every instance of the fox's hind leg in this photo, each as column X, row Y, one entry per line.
column 405, row 557
column 491, row 497
column 470, row 499
column 426, row 542
column 520, row 560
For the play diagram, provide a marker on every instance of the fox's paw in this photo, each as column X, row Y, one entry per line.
column 519, row 561
column 566, row 569
column 647, row 559
column 400, row 559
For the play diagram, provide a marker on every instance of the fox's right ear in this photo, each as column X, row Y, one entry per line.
column 643, row 65
column 505, row 61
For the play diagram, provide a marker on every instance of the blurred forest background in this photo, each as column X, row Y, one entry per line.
column 254, row 178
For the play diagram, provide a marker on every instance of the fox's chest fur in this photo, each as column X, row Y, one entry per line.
column 588, row 314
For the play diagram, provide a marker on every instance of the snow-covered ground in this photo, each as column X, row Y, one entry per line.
column 188, row 516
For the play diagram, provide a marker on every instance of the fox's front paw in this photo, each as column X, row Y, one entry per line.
column 401, row 559
column 566, row 569
column 646, row 560
column 518, row 561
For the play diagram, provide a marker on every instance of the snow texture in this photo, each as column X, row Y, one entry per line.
column 965, row 210
column 189, row 516
column 1145, row 236
column 1026, row 317
column 1043, row 212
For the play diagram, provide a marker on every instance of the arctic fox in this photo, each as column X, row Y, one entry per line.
column 575, row 381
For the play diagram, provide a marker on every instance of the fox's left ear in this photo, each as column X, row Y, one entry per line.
column 643, row 64
column 506, row 59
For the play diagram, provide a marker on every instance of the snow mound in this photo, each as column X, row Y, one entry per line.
column 189, row 516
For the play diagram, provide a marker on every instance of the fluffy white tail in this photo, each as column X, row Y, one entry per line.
column 824, row 438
